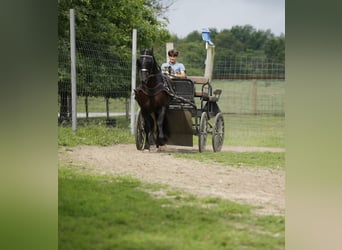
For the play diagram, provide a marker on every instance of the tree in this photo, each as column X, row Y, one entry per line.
column 259, row 38
column 111, row 22
column 194, row 36
column 230, row 46
column 107, row 24
column 275, row 49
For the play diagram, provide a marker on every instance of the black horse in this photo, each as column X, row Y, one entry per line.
column 153, row 96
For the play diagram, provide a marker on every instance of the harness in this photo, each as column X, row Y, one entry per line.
column 162, row 85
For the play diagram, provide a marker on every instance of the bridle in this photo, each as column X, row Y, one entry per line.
column 142, row 57
column 148, row 71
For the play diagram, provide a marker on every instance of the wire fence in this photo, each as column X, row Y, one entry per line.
column 101, row 73
column 250, row 86
column 248, row 68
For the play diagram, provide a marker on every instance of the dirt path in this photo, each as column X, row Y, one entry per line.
column 260, row 187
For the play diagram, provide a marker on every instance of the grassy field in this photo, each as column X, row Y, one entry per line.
column 106, row 212
column 97, row 133
column 98, row 104
column 103, row 136
column 239, row 97
column 242, row 126
column 252, row 159
column 255, row 130
column 248, row 97
column 240, row 130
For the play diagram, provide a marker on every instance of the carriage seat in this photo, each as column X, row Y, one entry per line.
column 204, row 92
column 205, row 89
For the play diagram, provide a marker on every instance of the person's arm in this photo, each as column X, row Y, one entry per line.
column 182, row 73
column 165, row 68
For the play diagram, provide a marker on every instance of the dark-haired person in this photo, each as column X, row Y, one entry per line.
column 172, row 66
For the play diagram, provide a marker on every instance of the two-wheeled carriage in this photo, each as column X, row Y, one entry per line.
column 191, row 113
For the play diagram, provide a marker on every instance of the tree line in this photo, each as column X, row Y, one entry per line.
column 110, row 22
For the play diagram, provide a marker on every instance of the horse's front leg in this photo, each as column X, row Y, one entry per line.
column 161, row 140
column 148, row 128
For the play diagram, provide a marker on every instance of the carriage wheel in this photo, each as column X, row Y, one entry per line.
column 140, row 135
column 203, row 131
column 218, row 133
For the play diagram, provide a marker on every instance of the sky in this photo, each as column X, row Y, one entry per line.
column 186, row 16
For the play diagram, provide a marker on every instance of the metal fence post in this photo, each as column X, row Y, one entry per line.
column 133, row 83
column 73, row 70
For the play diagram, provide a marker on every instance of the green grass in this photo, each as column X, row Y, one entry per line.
column 251, row 130
column 93, row 135
column 240, row 130
column 238, row 96
column 253, row 159
column 103, row 212
column 241, row 127
column 271, row 133
column 98, row 104
column 255, row 130
column 95, row 132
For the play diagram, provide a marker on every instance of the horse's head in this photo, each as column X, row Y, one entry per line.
column 147, row 65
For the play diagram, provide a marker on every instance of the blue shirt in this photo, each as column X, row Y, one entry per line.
column 176, row 68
